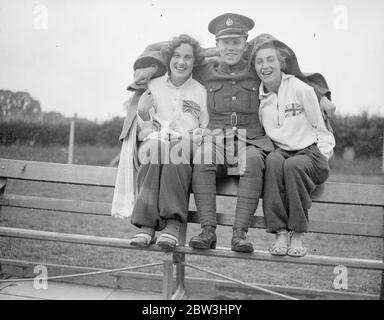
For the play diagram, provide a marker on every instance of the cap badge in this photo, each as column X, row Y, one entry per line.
column 229, row 22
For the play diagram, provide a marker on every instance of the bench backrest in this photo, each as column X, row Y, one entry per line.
column 361, row 195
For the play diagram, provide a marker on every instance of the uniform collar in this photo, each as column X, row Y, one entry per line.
column 167, row 79
column 226, row 68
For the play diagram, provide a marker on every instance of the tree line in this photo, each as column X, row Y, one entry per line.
column 18, row 105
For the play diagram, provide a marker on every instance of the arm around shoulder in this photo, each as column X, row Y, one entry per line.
column 150, row 64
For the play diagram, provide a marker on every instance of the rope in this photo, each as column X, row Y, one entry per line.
column 152, row 265
column 83, row 274
column 240, row 282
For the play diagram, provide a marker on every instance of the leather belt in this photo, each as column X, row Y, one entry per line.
column 233, row 119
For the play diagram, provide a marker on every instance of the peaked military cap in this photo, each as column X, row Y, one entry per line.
column 230, row 25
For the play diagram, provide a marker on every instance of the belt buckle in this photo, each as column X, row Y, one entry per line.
column 234, row 121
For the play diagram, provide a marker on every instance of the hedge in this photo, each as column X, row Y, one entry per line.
column 363, row 133
column 46, row 134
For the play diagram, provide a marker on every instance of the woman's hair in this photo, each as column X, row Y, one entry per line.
column 168, row 51
column 281, row 54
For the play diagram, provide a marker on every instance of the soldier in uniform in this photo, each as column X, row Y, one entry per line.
column 233, row 107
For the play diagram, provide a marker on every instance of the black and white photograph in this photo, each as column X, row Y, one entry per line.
column 215, row 152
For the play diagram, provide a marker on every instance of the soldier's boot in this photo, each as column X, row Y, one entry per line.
column 239, row 241
column 205, row 240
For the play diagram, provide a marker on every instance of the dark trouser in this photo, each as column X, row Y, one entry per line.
column 249, row 190
column 163, row 186
column 290, row 178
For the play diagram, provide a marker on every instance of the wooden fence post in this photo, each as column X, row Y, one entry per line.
column 381, row 297
column 3, row 184
column 71, row 139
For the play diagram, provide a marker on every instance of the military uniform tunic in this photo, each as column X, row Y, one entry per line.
column 233, row 100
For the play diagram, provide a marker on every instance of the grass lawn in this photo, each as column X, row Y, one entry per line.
column 361, row 171
column 90, row 155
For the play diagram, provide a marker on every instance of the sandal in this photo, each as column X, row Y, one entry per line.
column 142, row 239
column 167, row 241
column 296, row 252
column 278, row 250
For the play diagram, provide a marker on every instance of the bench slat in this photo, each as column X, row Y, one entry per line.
column 54, row 204
column 58, row 173
column 104, row 209
column 319, row 226
column 219, row 252
column 333, row 192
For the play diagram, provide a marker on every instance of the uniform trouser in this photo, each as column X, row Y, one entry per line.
column 249, row 189
column 163, row 183
column 290, row 178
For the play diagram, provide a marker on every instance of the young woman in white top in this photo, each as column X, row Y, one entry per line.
column 290, row 114
column 170, row 117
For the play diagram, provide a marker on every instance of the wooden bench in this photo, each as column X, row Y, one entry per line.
column 334, row 193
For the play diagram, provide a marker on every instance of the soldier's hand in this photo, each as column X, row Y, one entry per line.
column 143, row 75
column 197, row 136
column 327, row 108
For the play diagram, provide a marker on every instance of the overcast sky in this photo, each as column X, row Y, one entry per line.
column 77, row 56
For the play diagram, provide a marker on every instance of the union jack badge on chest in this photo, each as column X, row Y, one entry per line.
column 292, row 110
